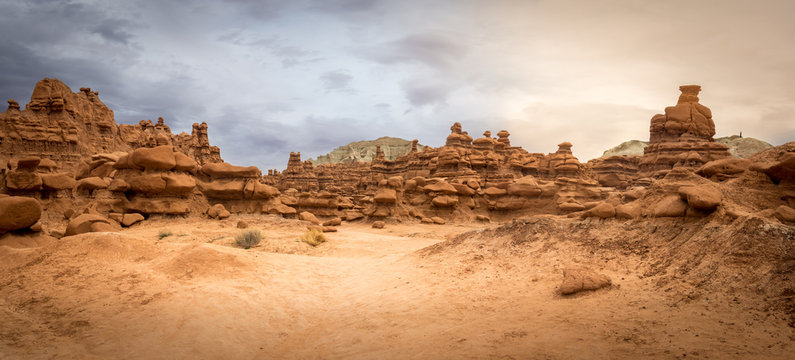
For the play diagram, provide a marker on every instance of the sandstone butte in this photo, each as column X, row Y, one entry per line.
column 66, row 151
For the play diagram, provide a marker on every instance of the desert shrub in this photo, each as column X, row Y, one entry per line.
column 313, row 237
column 164, row 234
column 247, row 239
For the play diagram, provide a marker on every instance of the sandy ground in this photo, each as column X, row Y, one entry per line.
column 364, row 294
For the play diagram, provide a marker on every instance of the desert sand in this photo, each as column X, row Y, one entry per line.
column 407, row 291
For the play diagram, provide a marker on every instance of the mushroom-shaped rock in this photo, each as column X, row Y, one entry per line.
column 702, row 197
column 18, row 212
column 385, row 196
column 89, row 223
column 576, row 280
column 308, row 216
column 156, row 158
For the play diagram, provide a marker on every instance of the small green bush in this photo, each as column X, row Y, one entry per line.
column 314, row 237
column 164, row 234
column 247, row 239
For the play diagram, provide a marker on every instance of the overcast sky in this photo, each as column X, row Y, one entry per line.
column 270, row 76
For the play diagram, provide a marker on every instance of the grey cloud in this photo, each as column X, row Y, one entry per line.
column 289, row 55
column 114, row 30
column 422, row 94
column 336, row 80
column 432, row 50
column 259, row 9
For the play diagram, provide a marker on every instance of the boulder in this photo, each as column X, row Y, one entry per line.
column 131, row 218
column 308, row 216
column 23, row 180
column 570, row 207
column 178, row 183
column 333, row 222
column 445, row 201
column 602, row 210
column 147, row 183
column 526, row 186
column 785, row 213
column 184, row 163
column 440, row 186
column 256, row 190
column 437, row 220
column 242, row 224
column 702, row 197
column 724, row 168
column 378, row 224
column 385, row 196
column 118, row 185
column 482, row 218
column 576, row 280
column 670, row 206
column 351, row 215
column 218, row 211
column 18, row 212
column 57, row 181
column 156, row 158
column 280, row 209
column 630, row 210
column 224, row 189
column 226, row 170
column 89, row 223
column 170, row 206
column 91, row 183
column 494, row 191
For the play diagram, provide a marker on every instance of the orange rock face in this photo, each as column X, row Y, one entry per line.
column 65, row 149
column 682, row 137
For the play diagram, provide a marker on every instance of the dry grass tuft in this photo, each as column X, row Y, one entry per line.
column 314, row 237
column 247, row 239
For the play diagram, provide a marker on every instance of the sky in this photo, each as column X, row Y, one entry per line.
column 270, row 77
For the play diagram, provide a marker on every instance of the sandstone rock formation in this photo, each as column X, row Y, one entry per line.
column 138, row 171
column 65, row 127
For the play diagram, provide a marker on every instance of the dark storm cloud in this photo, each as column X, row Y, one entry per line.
column 336, row 80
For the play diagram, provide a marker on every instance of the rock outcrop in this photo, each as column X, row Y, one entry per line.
column 681, row 137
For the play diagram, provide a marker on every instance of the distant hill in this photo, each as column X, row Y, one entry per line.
column 364, row 151
column 739, row 147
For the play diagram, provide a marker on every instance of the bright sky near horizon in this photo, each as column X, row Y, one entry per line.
column 272, row 76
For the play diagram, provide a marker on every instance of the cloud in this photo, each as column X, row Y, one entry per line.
column 421, row 94
column 113, row 30
column 336, row 81
column 432, row 50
